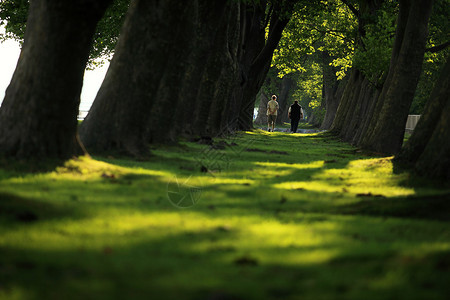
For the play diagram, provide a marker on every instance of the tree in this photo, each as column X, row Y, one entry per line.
column 14, row 13
column 256, row 57
column 368, row 70
column 428, row 149
column 386, row 129
column 199, row 60
column 153, row 54
column 325, row 33
column 38, row 117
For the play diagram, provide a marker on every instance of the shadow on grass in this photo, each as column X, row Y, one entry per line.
column 244, row 240
column 432, row 207
column 210, row 264
column 21, row 210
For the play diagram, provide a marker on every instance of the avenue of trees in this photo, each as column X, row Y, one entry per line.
column 195, row 68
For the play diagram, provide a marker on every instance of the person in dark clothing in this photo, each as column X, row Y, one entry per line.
column 295, row 114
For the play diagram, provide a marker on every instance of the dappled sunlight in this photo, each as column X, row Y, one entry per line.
column 310, row 215
column 365, row 176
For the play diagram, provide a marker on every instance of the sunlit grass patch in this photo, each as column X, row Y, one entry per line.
column 263, row 216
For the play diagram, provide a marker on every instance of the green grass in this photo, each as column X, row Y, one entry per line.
column 258, row 216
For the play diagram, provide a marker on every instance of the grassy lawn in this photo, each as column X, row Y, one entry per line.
column 255, row 216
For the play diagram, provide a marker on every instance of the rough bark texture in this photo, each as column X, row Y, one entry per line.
column 428, row 149
column 332, row 91
column 260, row 64
column 251, row 43
column 230, row 71
column 143, row 78
column 398, row 90
column 435, row 159
column 38, row 117
column 346, row 105
column 214, row 77
column 210, row 15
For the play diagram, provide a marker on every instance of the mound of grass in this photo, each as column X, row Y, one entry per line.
column 258, row 215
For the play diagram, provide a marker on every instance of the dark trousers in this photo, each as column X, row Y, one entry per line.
column 294, row 125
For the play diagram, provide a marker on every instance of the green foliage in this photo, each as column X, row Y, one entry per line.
column 315, row 27
column 374, row 55
column 13, row 14
column 309, row 92
column 319, row 26
column 107, row 33
column 286, row 216
column 272, row 83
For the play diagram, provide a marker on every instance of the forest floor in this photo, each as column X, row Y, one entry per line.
column 258, row 215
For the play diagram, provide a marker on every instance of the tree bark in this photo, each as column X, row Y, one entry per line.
column 346, row 105
column 216, row 67
column 435, row 159
column 260, row 59
column 210, row 15
column 230, row 71
column 428, row 147
column 38, row 117
column 333, row 90
column 398, row 90
column 143, row 78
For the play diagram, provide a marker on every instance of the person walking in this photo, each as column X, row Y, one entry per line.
column 295, row 113
column 272, row 108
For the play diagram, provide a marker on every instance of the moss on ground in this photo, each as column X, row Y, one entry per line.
column 255, row 216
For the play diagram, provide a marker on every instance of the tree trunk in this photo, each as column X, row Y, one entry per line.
column 333, row 90
column 210, row 15
column 260, row 63
column 347, row 103
column 283, row 100
column 227, row 81
column 218, row 63
column 38, row 118
column 387, row 126
column 261, row 118
column 435, row 159
column 428, row 147
column 150, row 61
column 252, row 41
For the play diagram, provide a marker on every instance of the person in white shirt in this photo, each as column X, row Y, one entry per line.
column 272, row 109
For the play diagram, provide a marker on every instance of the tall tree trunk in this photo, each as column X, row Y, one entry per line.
column 333, row 90
column 38, row 118
column 428, row 149
column 154, row 32
column 261, row 63
column 347, row 103
column 218, row 62
column 210, row 16
column 395, row 100
column 261, row 118
column 252, row 41
column 283, row 99
column 230, row 71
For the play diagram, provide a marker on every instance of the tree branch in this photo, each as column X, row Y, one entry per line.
column 269, row 15
column 352, row 8
column 438, row 48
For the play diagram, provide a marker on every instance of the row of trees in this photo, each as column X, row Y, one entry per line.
column 368, row 57
column 191, row 67
column 195, row 68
